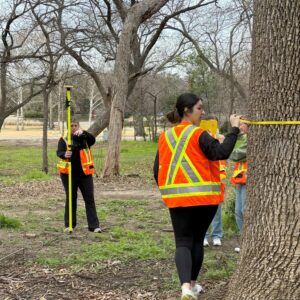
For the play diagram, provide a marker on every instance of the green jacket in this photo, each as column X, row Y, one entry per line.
column 239, row 154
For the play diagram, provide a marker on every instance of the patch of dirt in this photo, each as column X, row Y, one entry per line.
column 104, row 280
column 112, row 280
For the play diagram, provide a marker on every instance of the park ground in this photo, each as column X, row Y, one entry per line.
column 131, row 259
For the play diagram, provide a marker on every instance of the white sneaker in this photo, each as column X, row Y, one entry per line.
column 205, row 243
column 197, row 289
column 237, row 250
column 97, row 230
column 187, row 294
column 217, row 242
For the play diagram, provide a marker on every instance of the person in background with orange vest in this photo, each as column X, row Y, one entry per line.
column 216, row 230
column 239, row 177
column 82, row 174
column 210, row 124
column 187, row 172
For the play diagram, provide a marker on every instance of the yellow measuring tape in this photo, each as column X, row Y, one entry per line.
column 271, row 122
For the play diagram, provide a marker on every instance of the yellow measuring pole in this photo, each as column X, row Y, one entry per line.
column 69, row 148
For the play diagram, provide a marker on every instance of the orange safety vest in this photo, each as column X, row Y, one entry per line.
column 185, row 176
column 239, row 175
column 223, row 175
column 223, row 169
column 86, row 159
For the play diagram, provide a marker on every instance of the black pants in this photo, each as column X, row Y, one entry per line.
column 86, row 186
column 190, row 225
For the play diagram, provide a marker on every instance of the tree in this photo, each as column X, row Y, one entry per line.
column 19, row 54
column 221, row 40
column 202, row 81
column 98, row 36
column 52, row 58
column 269, row 264
column 133, row 18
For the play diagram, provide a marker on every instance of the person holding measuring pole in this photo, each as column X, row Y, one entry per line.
column 76, row 169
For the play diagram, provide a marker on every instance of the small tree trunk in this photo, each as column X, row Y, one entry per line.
column 139, row 129
column 3, row 90
column 121, row 72
column 51, row 123
column 45, row 131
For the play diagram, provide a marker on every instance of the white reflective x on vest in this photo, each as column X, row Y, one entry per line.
column 196, row 185
column 179, row 156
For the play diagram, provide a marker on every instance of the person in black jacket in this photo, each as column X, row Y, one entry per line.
column 80, row 140
column 190, row 216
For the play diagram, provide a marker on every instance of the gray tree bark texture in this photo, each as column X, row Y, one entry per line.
column 269, row 266
column 135, row 16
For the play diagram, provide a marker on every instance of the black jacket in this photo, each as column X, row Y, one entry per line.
column 78, row 142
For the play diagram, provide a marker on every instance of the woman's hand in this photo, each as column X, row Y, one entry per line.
column 221, row 138
column 68, row 154
column 235, row 120
column 78, row 132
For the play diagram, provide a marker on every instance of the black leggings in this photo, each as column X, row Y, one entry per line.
column 86, row 186
column 190, row 225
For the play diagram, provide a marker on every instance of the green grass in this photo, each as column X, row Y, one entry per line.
column 20, row 164
column 120, row 243
column 135, row 228
column 218, row 265
column 7, row 222
column 135, row 157
column 24, row 163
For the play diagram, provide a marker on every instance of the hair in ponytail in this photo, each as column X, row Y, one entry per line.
column 173, row 116
column 185, row 103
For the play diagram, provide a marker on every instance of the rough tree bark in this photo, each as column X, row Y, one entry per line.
column 135, row 16
column 269, row 266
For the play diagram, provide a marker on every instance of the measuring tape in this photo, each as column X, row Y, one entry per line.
column 270, row 122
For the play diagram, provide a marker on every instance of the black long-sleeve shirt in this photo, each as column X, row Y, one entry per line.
column 211, row 148
column 78, row 142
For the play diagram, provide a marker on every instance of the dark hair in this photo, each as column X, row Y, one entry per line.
column 73, row 120
column 185, row 103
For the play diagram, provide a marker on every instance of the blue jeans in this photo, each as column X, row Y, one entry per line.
column 216, row 231
column 240, row 202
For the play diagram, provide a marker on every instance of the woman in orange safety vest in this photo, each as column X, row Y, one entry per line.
column 187, row 172
column 82, row 170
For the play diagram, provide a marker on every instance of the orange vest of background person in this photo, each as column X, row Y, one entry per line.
column 185, row 176
column 86, row 159
column 239, row 175
column 223, row 175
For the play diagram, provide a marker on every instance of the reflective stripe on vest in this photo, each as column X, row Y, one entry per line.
column 86, row 159
column 63, row 166
column 179, row 157
column 240, row 167
column 195, row 186
column 239, row 175
column 223, row 169
column 190, row 190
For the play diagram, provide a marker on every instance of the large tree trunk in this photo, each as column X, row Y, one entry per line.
column 269, row 266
